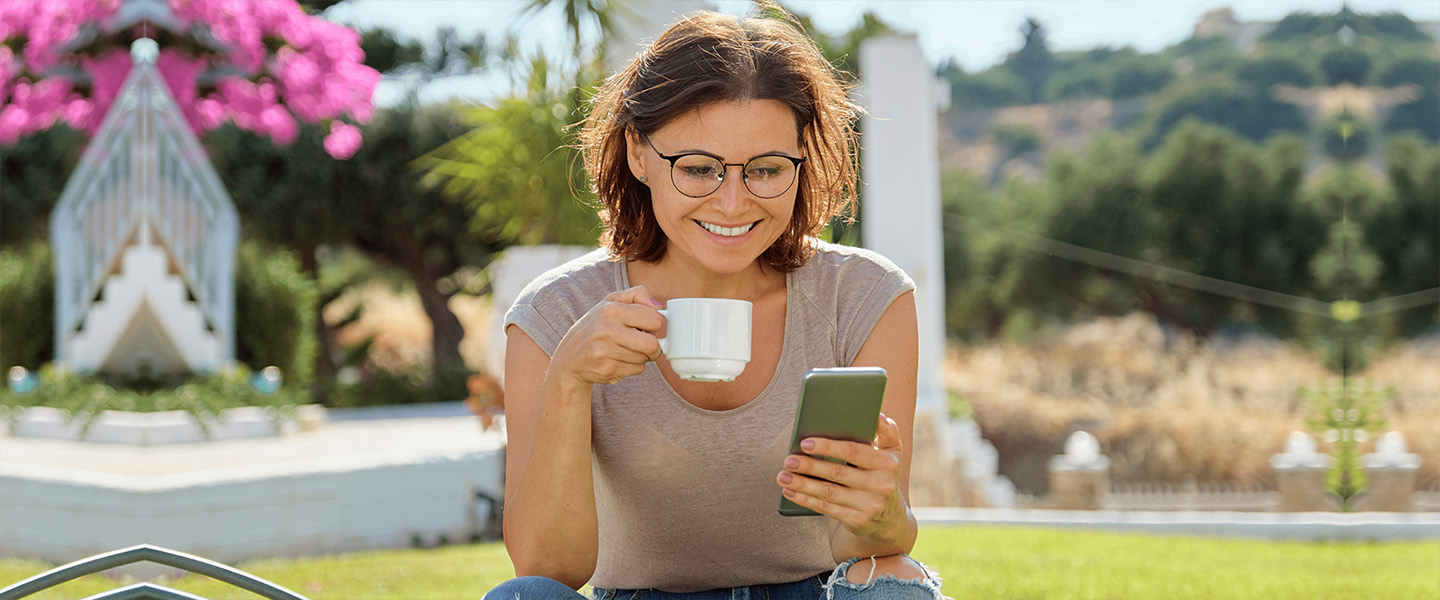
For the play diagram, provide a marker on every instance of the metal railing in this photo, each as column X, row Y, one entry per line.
column 144, row 175
column 154, row 554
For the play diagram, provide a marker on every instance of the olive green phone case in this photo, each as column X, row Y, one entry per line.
column 841, row 403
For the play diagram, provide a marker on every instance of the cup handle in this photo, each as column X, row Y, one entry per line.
column 664, row 348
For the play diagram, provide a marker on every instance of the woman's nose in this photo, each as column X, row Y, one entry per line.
column 732, row 195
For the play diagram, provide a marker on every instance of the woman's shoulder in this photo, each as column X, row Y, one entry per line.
column 593, row 274
column 838, row 264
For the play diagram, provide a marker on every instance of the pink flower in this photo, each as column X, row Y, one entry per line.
column 211, row 113
column 180, row 72
column 109, row 74
column 343, row 141
column 14, row 121
column 278, row 123
column 77, row 113
column 316, row 76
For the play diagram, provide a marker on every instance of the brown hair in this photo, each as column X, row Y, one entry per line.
column 709, row 57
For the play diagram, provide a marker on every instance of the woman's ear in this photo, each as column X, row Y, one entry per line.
column 635, row 153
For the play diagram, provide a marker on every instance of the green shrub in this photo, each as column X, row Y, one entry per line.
column 1016, row 139
column 1345, row 65
column 27, row 307
column 992, row 88
column 1419, row 70
column 1139, row 76
column 205, row 397
column 1421, row 116
column 1346, row 140
column 275, row 314
column 417, row 384
column 1272, row 70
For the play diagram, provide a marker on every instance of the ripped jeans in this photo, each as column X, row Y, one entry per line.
column 835, row 586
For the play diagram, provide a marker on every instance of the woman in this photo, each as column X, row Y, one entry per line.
column 718, row 154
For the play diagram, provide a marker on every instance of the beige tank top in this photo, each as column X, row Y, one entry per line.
column 686, row 497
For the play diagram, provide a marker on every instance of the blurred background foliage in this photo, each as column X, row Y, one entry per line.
column 1209, row 159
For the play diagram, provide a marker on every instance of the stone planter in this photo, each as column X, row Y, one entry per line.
column 166, row 427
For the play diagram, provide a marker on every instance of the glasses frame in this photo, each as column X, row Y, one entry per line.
column 725, row 168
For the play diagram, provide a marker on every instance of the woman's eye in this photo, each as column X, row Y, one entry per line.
column 699, row 170
column 763, row 172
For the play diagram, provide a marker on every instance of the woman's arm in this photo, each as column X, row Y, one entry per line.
column 870, row 510
column 550, row 521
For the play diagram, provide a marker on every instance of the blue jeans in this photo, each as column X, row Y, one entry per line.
column 835, row 586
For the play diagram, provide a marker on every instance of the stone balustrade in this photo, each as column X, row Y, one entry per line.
column 1080, row 478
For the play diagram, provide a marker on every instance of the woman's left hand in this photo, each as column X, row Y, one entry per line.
column 864, row 496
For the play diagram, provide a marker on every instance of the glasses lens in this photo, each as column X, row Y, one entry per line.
column 697, row 174
column 769, row 176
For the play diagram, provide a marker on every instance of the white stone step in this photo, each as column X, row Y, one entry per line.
column 146, row 296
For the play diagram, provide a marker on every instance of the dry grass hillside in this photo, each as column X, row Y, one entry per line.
column 1170, row 410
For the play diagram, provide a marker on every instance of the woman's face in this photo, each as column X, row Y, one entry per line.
column 725, row 231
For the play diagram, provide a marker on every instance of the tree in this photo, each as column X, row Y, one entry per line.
column 1345, row 64
column 517, row 169
column 1251, row 113
column 260, row 64
column 1033, row 62
column 1115, row 228
column 1137, row 76
column 33, row 173
column 1402, row 231
column 994, row 87
column 1265, row 72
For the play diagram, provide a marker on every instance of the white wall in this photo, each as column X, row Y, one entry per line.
column 238, row 513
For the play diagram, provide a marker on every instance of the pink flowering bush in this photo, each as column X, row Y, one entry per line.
column 281, row 67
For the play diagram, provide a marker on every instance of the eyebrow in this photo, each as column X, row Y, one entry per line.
column 717, row 156
column 721, row 159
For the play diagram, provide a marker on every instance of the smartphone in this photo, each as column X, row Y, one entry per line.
column 840, row 403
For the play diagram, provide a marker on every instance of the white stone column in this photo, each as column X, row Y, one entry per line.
column 901, row 189
column 900, row 218
column 1390, row 474
column 1300, row 476
column 1079, row 478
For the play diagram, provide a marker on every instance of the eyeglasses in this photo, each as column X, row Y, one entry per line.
column 698, row 175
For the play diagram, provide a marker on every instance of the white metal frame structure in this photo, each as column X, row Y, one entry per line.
column 145, row 180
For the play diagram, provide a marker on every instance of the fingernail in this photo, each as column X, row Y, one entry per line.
column 786, row 478
column 792, row 462
column 788, row 493
column 655, row 303
column 807, row 445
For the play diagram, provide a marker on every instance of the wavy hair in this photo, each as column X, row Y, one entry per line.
column 706, row 58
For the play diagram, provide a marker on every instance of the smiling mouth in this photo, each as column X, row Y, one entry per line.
column 726, row 231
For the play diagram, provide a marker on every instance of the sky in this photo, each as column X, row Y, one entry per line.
column 975, row 33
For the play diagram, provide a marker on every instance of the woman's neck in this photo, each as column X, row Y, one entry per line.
column 668, row 279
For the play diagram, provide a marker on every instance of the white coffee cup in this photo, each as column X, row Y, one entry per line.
column 706, row 339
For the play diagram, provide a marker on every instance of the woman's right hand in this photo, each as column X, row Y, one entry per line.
column 613, row 340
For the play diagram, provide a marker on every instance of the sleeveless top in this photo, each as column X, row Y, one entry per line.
column 686, row 497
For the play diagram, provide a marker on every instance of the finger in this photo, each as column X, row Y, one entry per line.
column 853, row 509
column 641, row 343
column 635, row 295
column 887, row 434
column 630, row 315
column 878, row 480
column 863, row 456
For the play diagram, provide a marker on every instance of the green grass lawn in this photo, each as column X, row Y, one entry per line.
column 976, row 563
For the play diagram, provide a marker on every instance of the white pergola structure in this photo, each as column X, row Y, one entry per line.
column 144, row 237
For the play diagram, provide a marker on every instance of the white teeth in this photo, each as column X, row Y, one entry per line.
column 726, row 231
